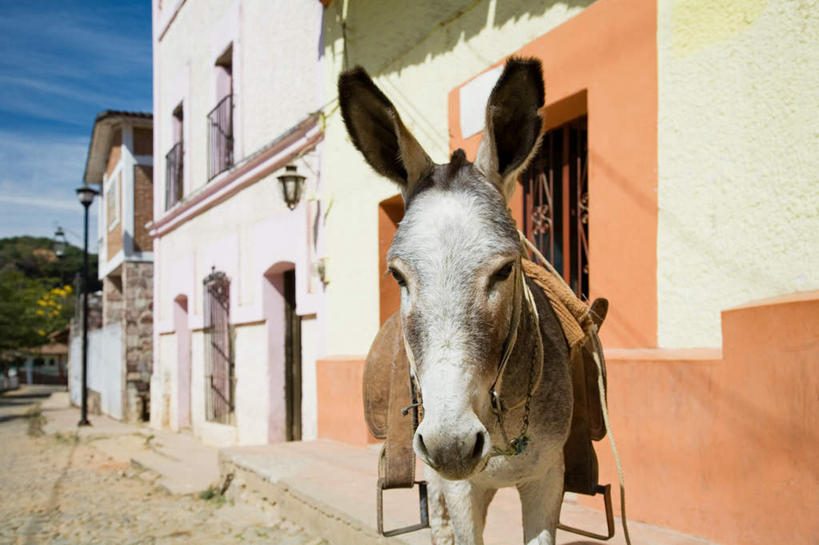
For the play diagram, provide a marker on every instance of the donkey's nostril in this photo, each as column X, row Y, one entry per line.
column 477, row 451
column 421, row 448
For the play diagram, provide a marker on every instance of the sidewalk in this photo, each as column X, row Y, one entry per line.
column 326, row 487
column 181, row 464
column 329, row 488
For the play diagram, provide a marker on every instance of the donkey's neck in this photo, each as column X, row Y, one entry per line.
column 523, row 366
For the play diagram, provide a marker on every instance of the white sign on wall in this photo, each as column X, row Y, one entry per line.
column 473, row 97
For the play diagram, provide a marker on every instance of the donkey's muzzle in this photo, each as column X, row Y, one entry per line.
column 449, row 450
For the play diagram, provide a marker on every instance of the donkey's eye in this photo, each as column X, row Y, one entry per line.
column 502, row 273
column 398, row 278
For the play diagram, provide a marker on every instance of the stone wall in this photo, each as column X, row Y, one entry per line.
column 112, row 303
column 137, row 347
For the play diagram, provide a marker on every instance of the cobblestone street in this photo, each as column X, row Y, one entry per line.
column 61, row 490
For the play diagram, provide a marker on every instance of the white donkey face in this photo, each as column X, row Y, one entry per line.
column 454, row 254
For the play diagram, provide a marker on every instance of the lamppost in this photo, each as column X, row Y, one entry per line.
column 86, row 196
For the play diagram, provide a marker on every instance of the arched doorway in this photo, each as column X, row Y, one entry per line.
column 283, row 353
column 183, row 361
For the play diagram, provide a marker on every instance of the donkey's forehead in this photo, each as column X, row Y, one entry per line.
column 463, row 223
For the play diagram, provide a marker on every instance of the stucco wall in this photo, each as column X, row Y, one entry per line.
column 106, row 371
column 269, row 95
column 252, row 392
column 738, row 162
column 417, row 52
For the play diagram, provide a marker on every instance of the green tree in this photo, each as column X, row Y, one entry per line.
column 36, row 297
column 19, row 322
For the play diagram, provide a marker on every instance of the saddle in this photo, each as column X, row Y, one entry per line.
column 391, row 412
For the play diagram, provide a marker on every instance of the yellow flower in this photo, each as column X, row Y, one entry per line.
column 41, row 303
column 39, row 312
column 41, row 332
column 67, row 288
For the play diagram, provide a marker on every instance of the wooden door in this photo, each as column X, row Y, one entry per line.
column 292, row 360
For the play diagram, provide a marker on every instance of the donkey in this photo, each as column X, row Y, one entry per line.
column 488, row 366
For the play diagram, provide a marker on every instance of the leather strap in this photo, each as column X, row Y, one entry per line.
column 396, row 467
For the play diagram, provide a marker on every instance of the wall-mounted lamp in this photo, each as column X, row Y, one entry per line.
column 292, row 183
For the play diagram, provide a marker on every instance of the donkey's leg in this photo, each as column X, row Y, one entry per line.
column 541, row 500
column 467, row 504
column 439, row 521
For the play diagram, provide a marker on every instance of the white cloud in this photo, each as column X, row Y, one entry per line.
column 39, row 202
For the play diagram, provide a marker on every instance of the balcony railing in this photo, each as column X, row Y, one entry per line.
column 173, row 175
column 220, row 137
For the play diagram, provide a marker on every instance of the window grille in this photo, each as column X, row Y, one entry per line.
column 173, row 175
column 219, row 366
column 220, row 137
column 556, row 203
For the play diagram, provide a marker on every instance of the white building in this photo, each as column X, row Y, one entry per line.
column 238, row 299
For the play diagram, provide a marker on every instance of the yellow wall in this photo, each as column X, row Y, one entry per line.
column 738, row 164
column 417, row 52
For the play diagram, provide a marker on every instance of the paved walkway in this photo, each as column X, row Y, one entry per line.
column 323, row 486
column 330, row 488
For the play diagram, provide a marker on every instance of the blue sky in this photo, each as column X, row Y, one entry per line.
column 62, row 62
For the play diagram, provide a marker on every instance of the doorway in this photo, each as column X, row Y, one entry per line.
column 292, row 359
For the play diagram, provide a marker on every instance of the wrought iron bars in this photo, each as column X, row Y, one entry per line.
column 220, row 137
column 173, row 175
column 556, row 202
column 219, row 369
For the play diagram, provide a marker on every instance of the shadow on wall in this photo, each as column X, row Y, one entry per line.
column 428, row 28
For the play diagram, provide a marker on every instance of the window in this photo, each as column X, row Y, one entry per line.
column 220, row 119
column 174, row 172
column 219, row 368
column 556, row 203
column 112, row 201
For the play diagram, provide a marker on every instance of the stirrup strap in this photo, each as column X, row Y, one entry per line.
column 602, row 389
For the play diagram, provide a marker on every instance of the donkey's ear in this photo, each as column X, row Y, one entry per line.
column 513, row 128
column 377, row 131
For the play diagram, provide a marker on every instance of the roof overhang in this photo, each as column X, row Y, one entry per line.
column 101, row 136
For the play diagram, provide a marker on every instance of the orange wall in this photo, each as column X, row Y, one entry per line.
column 341, row 401
column 604, row 61
column 724, row 448
column 390, row 212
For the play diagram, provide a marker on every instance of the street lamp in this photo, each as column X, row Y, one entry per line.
column 291, row 182
column 60, row 242
column 86, row 196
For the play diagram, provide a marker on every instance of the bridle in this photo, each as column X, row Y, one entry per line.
column 521, row 294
